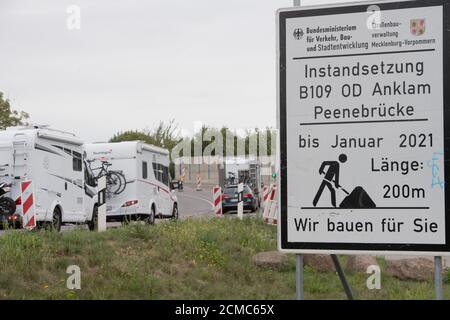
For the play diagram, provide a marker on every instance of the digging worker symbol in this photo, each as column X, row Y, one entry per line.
column 330, row 180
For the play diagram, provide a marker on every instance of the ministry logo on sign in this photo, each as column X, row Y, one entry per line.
column 417, row 27
column 298, row 33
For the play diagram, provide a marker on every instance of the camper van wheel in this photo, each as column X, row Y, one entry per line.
column 93, row 224
column 57, row 220
column 151, row 216
column 175, row 212
column 7, row 205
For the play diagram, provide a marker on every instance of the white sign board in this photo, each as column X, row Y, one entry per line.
column 363, row 110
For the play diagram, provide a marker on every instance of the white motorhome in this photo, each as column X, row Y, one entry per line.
column 53, row 161
column 147, row 192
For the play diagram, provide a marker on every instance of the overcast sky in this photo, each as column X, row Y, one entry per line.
column 134, row 63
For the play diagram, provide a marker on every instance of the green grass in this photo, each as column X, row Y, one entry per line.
column 190, row 259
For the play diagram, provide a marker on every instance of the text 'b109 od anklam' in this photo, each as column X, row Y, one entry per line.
column 363, row 116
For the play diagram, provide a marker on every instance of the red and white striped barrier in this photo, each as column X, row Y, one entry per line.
column 273, row 192
column 271, row 215
column 265, row 193
column 199, row 183
column 270, row 207
column 217, row 196
column 28, row 207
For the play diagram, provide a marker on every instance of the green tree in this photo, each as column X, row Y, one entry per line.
column 164, row 135
column 132, row 135
column 8, row 117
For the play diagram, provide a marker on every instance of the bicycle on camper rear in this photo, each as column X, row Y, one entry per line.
column 115, row 180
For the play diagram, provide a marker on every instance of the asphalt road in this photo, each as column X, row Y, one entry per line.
column 193, row 203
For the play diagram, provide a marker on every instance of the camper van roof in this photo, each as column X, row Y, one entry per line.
column 35, row 127
column 44, row 132
column 136, row 145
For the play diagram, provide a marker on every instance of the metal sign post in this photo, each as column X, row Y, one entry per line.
column 337, row 265
column 299, row 277
column 438, row 277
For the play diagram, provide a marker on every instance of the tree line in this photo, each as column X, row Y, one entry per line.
column 167, row 136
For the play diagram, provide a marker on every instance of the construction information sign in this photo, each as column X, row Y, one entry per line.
column 363, row 119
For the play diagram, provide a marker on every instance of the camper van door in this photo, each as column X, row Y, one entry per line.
column 160, row 189
column 73, row 185
column 166, row 194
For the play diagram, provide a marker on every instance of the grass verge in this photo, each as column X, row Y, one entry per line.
column 192, row 259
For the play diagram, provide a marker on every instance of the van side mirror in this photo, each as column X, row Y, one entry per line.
column 175, row 185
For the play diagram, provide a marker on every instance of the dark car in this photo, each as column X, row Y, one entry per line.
column 230, row 199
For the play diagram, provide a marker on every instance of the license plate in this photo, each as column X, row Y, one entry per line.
column 233, row 200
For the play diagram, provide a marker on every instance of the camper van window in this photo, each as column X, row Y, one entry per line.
column 144, row 170
column 157, row 170
column 77, row 163
column 165, row 175
column 68, row 151
column 89, row 176
column 59, row 147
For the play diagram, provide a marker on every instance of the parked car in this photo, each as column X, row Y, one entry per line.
column 230, row 199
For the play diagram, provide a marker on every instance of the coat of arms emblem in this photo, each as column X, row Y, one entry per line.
column 417, row 27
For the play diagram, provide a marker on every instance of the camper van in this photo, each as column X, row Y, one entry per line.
column 53, row 161
column 145, row 191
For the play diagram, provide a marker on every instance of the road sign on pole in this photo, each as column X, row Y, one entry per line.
column 364, row 111
column 101, row 200
column 240, row 206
